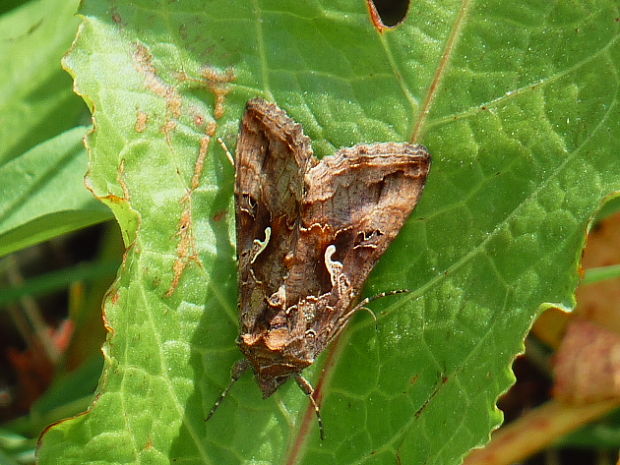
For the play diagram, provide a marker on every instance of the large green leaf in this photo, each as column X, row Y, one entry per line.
column 518, row 102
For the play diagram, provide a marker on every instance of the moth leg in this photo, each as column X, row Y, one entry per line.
column 308, row 390
column 238, row 369
column 228, row 154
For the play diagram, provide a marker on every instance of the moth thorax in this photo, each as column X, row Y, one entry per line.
column 276, row 339
column 289, row 260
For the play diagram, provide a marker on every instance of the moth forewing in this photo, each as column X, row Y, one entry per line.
column 309, row 233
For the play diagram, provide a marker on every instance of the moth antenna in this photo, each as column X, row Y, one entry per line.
column 308, row 390
column 372, row 314
column 228, row 154
column 367, row 300
column 238, row 369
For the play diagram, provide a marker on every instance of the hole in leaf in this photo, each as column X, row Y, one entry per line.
column 386, row 14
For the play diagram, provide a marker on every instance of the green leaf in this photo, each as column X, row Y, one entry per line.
column 43, row 193
column 602, row 273
column 57, row 280
column 36, row 102
column 517, row 102
column 42, row 160
column 15, row 449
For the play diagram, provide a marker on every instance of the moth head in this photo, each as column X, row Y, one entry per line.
column 271, row 362
column 271, row 372
column 269, row 381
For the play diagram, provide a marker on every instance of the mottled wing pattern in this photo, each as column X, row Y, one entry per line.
column 272, row 155
column 309, row 233
column 355, row 203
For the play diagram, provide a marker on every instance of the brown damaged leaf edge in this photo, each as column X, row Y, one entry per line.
column 395, row 10
column 309, row 233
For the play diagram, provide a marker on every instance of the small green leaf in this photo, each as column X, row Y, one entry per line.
column 36, row 102
column 57, row 280
column 595, row 275
column 517, row 102
column 43, row 193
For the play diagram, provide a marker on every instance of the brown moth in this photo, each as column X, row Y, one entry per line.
column 309, row 232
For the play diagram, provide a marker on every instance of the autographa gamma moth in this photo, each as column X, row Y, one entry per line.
column 309, row 233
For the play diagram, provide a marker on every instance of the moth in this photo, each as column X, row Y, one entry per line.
column 309, row 232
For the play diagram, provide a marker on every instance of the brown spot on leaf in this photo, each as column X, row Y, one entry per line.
column 143, row 60
column 218, row 83
column 210, row 130
column 217, row 75
column 167, row 129
column 120, row 177
column 112, row 198
column 141, row 121
column 186, row 248
column 200, row 161
column 181, row 76
column 219, row 216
